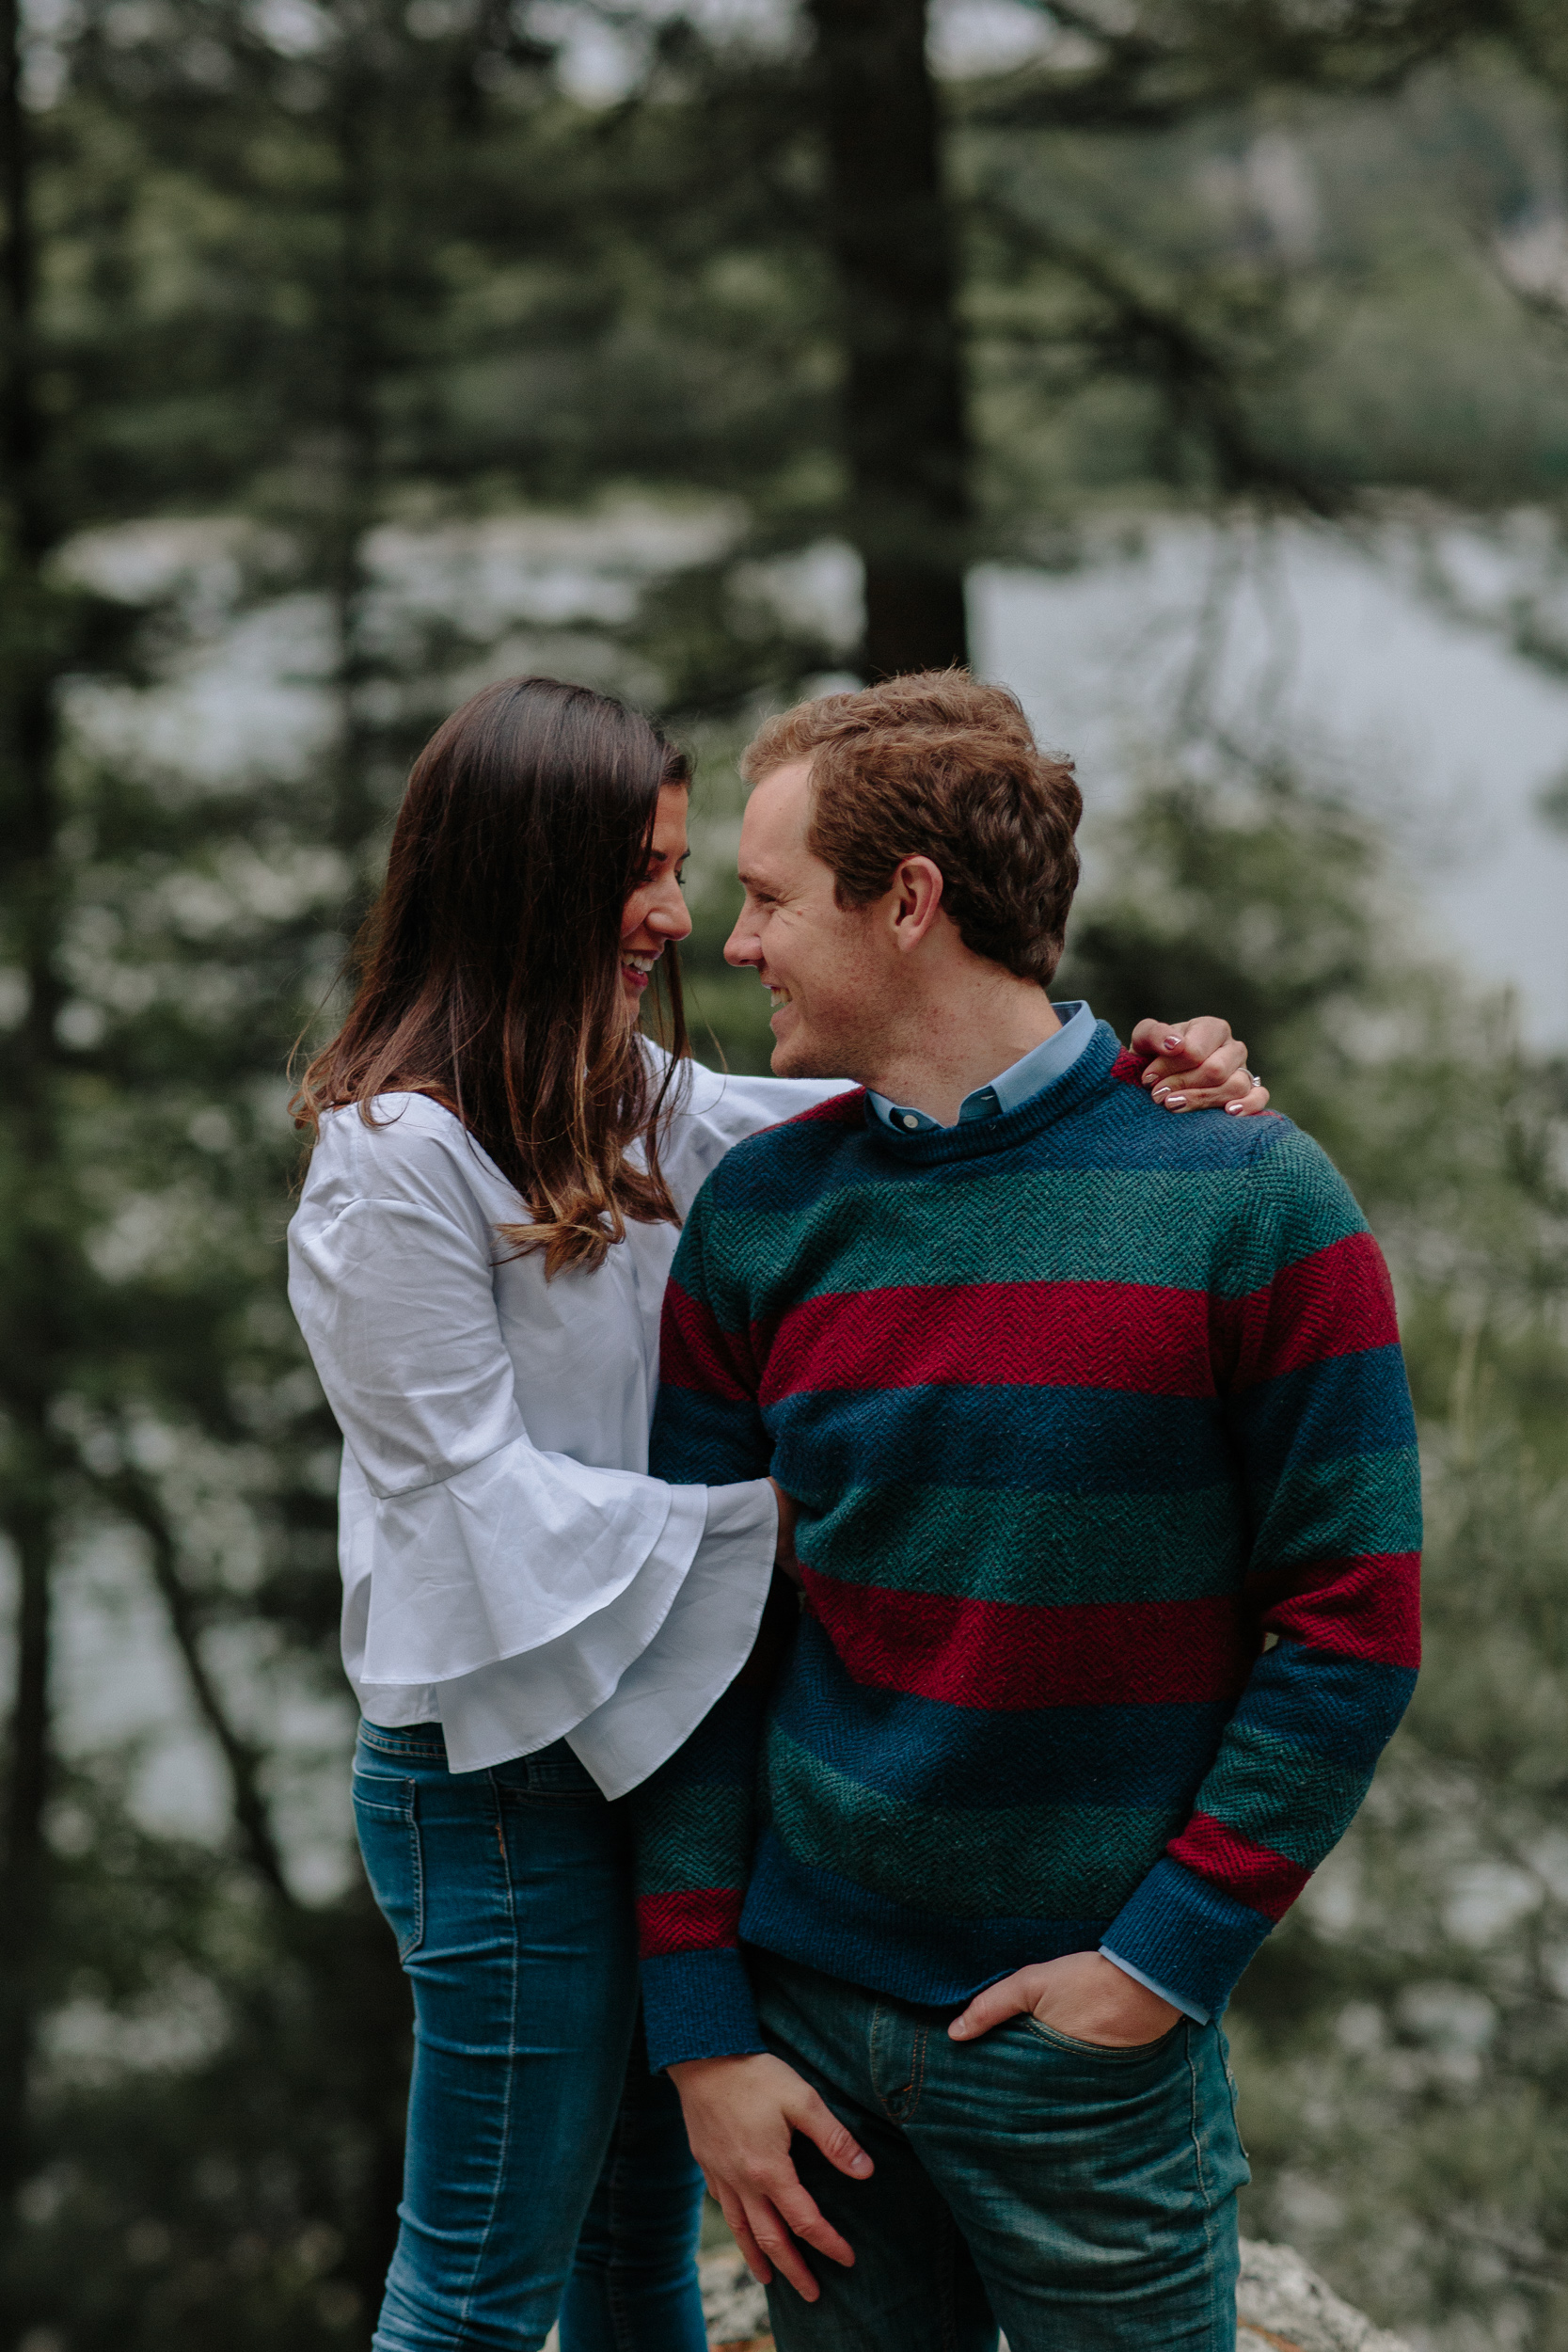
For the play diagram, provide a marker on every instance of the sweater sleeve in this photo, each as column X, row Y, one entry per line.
column 695, row 1822
column 1307, row 1358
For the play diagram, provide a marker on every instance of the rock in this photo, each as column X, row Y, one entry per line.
column 734, row 2305
column 1282, row 2306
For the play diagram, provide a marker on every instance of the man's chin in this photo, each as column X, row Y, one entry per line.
column 795, row 1056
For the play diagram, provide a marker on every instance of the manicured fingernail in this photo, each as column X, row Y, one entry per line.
column 1172, row 1101
column 1233, row 1107
column 1171, row 1044
column 860, row 2164
column 1161, row 1091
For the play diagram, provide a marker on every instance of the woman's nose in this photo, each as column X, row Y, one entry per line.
column 670, row 913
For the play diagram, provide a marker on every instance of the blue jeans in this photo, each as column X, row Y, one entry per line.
column 545, row 2169
column 1083, row 2198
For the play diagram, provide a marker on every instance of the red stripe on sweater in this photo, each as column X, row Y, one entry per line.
column 690, row 1919
column 1130, row 1066
column 695, row 1353
column 1249, row 1873
column 1005, row 1654
column 1338, row 1302
column 1140, row 1337
column 848, row 1109
column 1368, row 1607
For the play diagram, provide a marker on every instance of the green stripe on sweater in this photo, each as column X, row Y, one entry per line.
column 1029, row 1225
column 1024, row 1861
column 1246, row 1785
column 697, row 1835
column 1340, row 1508
column 1006, row 1545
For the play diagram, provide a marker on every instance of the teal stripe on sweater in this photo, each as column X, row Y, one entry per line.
column 1028, row 1225
column 1039, row 1861
column 1004, row 1545
column 1289, row 1798
column 697, row 1835
column 1340, row 1509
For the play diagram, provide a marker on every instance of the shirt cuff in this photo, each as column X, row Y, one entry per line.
column 1177, row 2000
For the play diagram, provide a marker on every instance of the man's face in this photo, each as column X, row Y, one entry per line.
column 819, row 961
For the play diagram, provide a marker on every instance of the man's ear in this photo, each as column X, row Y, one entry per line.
column 913, row 901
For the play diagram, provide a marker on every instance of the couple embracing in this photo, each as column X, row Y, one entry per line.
column 928, row 1540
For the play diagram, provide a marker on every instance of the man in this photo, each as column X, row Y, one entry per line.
column 1108, row 1519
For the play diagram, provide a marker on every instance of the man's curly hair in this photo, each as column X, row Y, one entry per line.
column 938, row 765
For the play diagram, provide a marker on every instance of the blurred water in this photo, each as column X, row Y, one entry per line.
column 1331, row 647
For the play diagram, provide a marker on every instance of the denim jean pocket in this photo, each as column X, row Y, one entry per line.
column 1111, row 2053
column 386, row 1816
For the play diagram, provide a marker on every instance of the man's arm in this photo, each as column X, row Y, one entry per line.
column 694, row 1825
column 694, row 1819
column 1320, row 1413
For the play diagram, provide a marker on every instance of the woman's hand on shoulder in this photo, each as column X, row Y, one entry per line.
column 1198, row 1064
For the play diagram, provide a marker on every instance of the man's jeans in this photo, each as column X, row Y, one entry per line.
column 1085, row 2199
column 533, row 2115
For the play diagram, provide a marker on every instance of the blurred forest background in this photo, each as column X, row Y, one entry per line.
column 355, row 351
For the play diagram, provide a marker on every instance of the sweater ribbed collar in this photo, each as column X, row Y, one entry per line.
column 981, row 1138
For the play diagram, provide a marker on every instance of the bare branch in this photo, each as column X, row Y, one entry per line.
column 136, row 1497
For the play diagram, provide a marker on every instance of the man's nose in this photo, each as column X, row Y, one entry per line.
column 741, row 946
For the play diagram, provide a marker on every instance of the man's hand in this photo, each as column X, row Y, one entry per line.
column 1197, row 1064
column 1089, row 1998
column 784, row 1552
column 740, row 2113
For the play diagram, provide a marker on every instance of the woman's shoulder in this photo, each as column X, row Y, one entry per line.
column 401, row 1148
column 737, row 1100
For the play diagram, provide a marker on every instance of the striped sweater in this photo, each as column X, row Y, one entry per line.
column 1110, row 1524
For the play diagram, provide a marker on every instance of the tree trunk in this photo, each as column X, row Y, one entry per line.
column 906, row 431
column 34, row 1316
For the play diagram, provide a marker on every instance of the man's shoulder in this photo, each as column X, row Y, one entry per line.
column 1255, row 1173
column 1147, row 1135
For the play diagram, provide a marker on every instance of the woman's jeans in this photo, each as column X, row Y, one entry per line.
column 546, row 2170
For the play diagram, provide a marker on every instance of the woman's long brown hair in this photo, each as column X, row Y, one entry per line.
column 488, row 969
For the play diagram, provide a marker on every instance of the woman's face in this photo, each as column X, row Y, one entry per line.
column 656, row 912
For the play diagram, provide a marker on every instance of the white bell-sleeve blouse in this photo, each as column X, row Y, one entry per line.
column 510, row 1569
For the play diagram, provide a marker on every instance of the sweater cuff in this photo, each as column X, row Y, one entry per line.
column 1179, row 1928
column 698, row 2005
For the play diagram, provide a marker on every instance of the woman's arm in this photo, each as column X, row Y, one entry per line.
column 530, row 1588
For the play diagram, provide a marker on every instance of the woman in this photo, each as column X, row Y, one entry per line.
column 530, row 1623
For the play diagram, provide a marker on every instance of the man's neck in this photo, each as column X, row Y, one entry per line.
column 962, row 1042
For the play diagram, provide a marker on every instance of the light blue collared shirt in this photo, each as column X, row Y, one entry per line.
column 1039, row 1069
